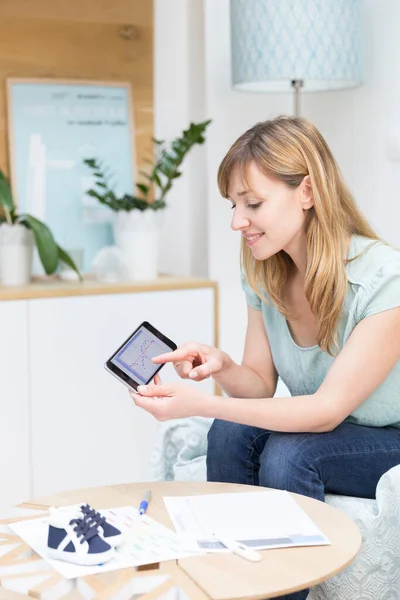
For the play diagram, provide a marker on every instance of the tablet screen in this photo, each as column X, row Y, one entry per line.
column 134, row 358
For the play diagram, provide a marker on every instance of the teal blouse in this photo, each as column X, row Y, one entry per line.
column 373, row 286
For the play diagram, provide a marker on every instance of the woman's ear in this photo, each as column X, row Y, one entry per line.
column 307, row 199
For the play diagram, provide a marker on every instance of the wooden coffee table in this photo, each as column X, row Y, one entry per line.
column 205, row 577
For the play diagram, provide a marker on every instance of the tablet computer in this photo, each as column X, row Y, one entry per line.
column 132, row 363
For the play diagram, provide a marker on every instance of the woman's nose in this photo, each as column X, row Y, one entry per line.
column 239, row 221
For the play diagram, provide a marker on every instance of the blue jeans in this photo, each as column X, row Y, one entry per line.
column 348, row 460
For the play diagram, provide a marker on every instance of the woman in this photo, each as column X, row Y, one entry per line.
column 323, row 295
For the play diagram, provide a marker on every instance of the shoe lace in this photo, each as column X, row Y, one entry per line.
column 95, row 517
column 84, row 528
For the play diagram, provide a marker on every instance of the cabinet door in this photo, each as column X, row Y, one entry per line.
column 14, row 403
column 86, row 429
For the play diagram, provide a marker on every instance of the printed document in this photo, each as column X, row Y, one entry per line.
column 258, row 519
column 145, row 541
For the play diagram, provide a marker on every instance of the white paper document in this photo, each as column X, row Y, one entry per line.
column 145, row 541
column 258, row 519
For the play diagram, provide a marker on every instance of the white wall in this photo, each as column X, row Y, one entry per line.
column 358, row 125
column 179, row 98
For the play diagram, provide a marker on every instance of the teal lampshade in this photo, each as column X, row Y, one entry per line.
column 275, row 42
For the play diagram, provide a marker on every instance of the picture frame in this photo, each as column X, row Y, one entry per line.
column 53, row 125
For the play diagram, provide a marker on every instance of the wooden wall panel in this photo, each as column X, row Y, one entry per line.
column 138, row 12
column 80, row 49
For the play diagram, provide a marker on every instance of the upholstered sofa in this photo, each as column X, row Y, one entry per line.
column 180, row 454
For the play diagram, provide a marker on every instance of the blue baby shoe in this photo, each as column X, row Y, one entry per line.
column 108, row 532
column 73, row 537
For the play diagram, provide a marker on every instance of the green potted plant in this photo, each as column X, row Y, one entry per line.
column 18, row 234
column 136, row 219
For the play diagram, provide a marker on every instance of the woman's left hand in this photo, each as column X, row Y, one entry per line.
column 170, row 401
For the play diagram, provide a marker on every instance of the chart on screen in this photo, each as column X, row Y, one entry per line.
column 136, row 355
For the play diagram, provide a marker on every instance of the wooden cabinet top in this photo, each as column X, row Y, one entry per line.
column 56, row 288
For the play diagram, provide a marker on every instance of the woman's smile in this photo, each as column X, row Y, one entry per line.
column 252, row 238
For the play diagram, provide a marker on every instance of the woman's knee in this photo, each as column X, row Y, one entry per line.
column 230, row 452
column 286, row 460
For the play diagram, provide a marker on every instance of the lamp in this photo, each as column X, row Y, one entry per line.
column 283, row 45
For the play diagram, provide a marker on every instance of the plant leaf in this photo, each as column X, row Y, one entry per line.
column 143, row 188
column 46, row 245
column 6, row 199
column 157, row 204
column 64, row 257
column 90, row 162
column 157, row 179
column 94, row 194
column 169, row 160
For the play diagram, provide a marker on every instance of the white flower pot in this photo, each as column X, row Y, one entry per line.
column 16, row 251
column 136, row 234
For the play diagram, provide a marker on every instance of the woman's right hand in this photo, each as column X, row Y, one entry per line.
column 194, row 361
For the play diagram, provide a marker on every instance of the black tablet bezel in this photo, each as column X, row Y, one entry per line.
column 124, row 377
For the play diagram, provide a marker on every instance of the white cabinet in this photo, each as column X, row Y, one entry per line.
column 71, row 423
column 14, row 403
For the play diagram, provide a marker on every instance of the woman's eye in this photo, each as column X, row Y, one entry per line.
column 254, row 206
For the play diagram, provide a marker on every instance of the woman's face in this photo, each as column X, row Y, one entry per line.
column 270, row 215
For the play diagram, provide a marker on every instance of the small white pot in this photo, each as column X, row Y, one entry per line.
column 136, row 234
column 16, row 251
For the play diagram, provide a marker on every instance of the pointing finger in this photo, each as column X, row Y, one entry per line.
column 169, row 357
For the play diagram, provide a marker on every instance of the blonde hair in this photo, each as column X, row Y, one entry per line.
column 288, row 149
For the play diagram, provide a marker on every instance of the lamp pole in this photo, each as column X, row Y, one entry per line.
column 297, row 84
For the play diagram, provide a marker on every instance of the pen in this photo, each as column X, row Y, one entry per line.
column 145, row 502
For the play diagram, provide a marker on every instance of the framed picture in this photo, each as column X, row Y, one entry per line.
column 53, row 125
